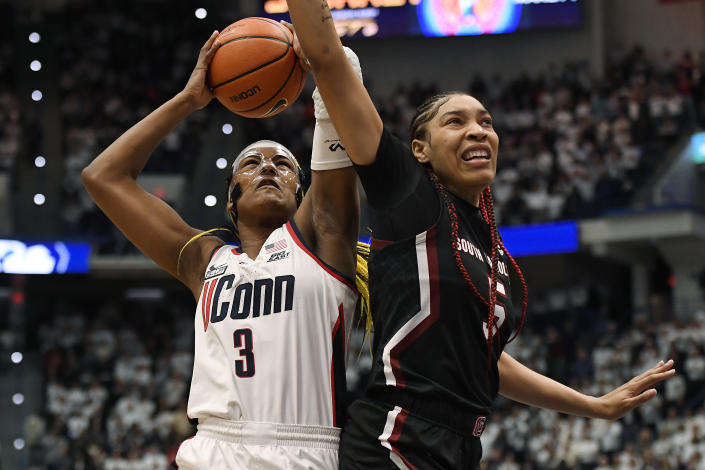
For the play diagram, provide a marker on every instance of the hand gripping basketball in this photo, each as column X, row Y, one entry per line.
column 196, row 89
column 255, row 72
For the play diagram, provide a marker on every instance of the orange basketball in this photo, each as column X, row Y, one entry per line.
column 255, row 72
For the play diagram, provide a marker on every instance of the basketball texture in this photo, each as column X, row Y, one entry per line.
column 255, row 72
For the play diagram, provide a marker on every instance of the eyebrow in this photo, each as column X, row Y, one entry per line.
column 279, row 157
column 459, row 112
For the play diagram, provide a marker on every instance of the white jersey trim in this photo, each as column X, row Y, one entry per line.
column 421, row 315
column 390, row 427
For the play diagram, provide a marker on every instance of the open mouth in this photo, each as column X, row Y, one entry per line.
column 268, row 182
column 471, row 155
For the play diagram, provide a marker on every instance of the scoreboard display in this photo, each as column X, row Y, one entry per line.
column 369, row 18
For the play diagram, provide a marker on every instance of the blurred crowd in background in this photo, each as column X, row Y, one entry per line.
column 10, row 115
column 117, row 379
column 571, row 145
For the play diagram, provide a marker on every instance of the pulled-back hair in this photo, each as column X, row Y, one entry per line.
column 417, row 130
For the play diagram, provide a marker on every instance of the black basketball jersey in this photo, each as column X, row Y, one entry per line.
column 430, row 328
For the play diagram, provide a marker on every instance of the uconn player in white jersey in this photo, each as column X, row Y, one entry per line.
column 272, row 312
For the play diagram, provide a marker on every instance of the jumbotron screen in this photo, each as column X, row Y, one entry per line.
column 368, row 18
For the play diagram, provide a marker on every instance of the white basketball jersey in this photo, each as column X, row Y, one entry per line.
column 270, row 335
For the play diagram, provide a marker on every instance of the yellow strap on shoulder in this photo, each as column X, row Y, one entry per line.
column 194, row 238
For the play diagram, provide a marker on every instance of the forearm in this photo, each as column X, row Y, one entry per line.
column 127, row 156
column 316, row 32
column 349, row 105
column 519, row 383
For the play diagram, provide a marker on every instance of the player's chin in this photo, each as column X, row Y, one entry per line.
column 480, row 178
column 276, row 201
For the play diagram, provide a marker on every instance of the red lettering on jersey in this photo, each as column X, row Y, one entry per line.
column 206, row 303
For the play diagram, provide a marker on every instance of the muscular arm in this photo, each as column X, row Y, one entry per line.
column 329, row 217
column 150, row 223
column 352, row 111
column 519, row 383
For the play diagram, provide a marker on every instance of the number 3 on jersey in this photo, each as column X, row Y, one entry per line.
column 243, row 341
column 499, row 310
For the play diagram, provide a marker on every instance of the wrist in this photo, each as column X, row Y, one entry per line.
column 186, row 102
column 597, row 407
column 327, row 152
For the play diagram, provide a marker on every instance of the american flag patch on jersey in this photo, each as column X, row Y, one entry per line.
column 276, row 246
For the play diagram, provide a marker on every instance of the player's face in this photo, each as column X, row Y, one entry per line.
column 461, row 146
column 268, row 181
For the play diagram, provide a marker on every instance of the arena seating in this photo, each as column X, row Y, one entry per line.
column 100, row 100
column 117, row 380
column 571, row 146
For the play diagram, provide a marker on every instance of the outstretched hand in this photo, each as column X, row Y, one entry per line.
column 638, row 390
column 196, row 88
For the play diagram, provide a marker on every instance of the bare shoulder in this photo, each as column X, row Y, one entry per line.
column 194, row 259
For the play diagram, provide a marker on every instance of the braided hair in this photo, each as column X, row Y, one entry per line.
column 424, row 114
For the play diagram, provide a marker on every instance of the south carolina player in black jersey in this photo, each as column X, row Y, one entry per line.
column 439, row 278
column 268, row 378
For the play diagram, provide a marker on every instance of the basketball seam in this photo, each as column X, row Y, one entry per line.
column 256, row 37
column 274, row 23
column 256, row 68
column 276, row 92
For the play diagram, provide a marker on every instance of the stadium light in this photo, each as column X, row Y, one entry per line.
column 201, row 13
column 16, row 357
column 34, row 37
column 35, row 66
column 221, row 163
column 210, row 200
column 40, row 161
column 37, row 95
column 19, row 443
column 18, row 399
column 227, row 129
column 39, row 199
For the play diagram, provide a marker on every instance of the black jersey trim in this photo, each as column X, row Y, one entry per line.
column 337, row 370
column 215, row 250
column 299, row 239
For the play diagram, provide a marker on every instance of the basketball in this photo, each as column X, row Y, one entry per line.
column 255, row 72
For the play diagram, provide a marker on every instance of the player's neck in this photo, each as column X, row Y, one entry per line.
column 469, row 195
column 252, row 237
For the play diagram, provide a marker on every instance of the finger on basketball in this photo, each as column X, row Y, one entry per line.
column 255, row 72
column 207, row 45
column 303, row 61
column 211, row 51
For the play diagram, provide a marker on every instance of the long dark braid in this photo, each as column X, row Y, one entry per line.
column 489, row 218
column 497, row 242
column 455, row 234
column 425, row 113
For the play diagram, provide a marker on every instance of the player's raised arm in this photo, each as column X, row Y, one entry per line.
column 329, row 215
column 349, row 105
column 111, row 180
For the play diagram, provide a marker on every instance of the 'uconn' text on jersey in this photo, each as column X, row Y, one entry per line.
column 261, row 297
